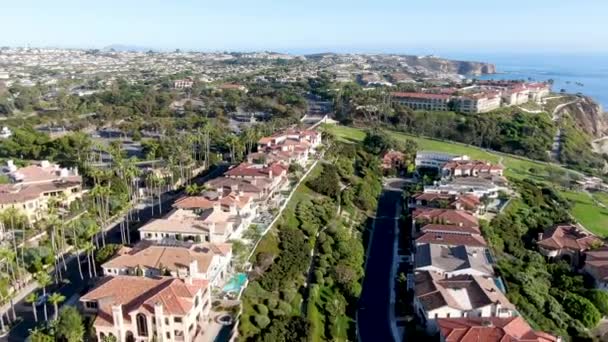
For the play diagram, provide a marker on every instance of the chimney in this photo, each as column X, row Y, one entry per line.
column 188, row 280
column 117, row 318
column 540, row 236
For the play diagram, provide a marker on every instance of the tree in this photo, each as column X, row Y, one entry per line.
column 292, row 329
column 599, row 298
column 582, row 309
column 377, row 142
column 38, row 335
column 55, row 299
column 32, row 298
column 70, row 325
column 44, row 280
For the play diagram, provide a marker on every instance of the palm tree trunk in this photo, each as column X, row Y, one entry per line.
column 93, row 264
column 2, row 323
column 46, row 315
column 56, row 305
column 35, row 311
column 13, row 310
column 89, row 264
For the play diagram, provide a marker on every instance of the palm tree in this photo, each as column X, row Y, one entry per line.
column 193, row 189
column 89, row 247
column 56, row 298
column 77, row 247
column 32, row 298
column 44, row 280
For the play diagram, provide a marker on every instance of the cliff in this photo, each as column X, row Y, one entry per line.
column 588, row 116
column 451, row 66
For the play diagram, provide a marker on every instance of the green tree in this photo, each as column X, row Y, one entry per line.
column 70, row 325
column 56, row 299
column 599, row 298
column 32, row 298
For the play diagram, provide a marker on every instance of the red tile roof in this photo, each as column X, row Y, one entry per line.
column 445, row 216
column 447, row 239
column 490, row 329
column 568, row 237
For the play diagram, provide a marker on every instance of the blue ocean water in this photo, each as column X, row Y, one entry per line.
column 585, row 74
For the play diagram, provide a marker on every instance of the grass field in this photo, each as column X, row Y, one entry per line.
column 584, row 209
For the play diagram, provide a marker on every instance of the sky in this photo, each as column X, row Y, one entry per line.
column 419, row 26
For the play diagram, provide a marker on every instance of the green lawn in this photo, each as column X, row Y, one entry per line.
column 584, row 209
column 591, row 215
column 515, row 167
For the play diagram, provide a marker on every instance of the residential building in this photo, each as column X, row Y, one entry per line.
column 468, row 202
column 31, row 188
column 434, row 159
column 208, row 261
column 566, row 242
column 436, row 296
column 275, row 173
column 470, row 168
column 422, row 101
column 490, row 329
column 450, row 260
column 183, row 83
column 142, row 309
column 257, row 189
column 445, row 218
column 479, row 187
column 451, row 239
column 393, row 160
column 596, row 265
column 287, row 139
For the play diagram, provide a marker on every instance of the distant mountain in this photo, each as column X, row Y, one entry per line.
column 127, row 48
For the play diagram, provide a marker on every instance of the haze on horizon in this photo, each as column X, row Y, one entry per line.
column 430, row 26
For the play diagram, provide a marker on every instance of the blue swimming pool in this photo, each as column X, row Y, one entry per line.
column 235, row 283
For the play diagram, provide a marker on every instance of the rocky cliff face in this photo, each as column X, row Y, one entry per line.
column 451, row 66
column 589, row 116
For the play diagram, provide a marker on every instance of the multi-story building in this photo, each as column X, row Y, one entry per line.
column 422, row 101
column 275, row 173
column 131, row 309
column 32, row 187
column 437, row 296
column 482, row 102
column 208, row 261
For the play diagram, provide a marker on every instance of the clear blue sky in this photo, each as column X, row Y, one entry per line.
column 312, row 25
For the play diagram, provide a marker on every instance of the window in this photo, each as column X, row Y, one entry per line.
column 90, row 305
column 448, row 315
column 168, row 335
column 196, row 301
column 142, row 325
column 167, row 320
column 436, row 316
column 177, row 319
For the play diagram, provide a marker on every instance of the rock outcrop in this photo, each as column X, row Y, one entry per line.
column 451, row 66
column 589, row 116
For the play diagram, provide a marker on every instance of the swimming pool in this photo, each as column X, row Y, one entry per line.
column 235, row 283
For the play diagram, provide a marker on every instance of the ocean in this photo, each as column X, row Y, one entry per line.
column 585, row 74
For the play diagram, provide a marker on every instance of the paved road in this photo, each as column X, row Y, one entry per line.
column 374, row 312
column 76, row 285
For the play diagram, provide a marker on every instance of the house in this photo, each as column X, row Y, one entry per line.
column 451, row 239
column 434, row 159
column 596, row 265
column 468, row 202
column 436, row 296
column 139, row 308
column 289, row 139
column 453, row 260
column 445, row 221
column 478, row 102
column 187, row 82
column 479, row 187
column 393, row 160
column 257, row 189
column 208, row 261
column 566, row 242
column 470, row 168
column 490, row 329
column 275, row 173
column 212, row 225
column 31, row 188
